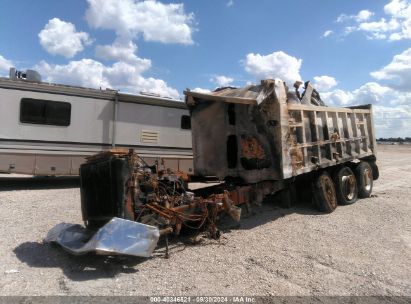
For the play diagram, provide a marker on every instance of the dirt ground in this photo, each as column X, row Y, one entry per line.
column 362, row 249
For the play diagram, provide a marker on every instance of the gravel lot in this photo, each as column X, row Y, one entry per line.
column 363, row 249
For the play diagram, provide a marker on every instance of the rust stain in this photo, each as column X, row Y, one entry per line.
column 296, row 154
column 251, row 148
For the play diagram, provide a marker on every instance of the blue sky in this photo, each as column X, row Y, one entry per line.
column 353, row 51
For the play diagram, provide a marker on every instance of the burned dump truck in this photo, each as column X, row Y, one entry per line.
column 270, row 137
column 252, row 142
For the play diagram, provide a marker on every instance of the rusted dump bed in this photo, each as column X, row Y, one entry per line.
column 264, row 132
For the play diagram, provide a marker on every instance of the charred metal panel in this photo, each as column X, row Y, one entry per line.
column 274, row 134
column 103, row 190
column 208, row 158
column 249, row 131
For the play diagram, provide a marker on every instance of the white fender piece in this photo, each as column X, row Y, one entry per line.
column 117, row 237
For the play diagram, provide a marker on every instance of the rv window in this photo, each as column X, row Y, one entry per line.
column 32, row 111
column 186, row 122
column 45, row 112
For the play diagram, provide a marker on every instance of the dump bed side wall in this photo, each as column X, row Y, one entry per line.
column 276, row 140
column 325, row 136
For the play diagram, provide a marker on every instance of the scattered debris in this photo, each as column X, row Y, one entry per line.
column 130, row 219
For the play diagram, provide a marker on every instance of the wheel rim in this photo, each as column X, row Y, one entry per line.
column 349, row 186
column 367, row 177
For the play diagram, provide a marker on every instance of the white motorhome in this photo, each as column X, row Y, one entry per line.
column 49, row 129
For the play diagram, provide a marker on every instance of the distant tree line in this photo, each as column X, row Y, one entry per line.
column 395, row 139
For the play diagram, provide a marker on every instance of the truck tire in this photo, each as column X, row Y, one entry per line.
column 375, row 170
column 364, row 175
column 345, row 186
column 324, row 193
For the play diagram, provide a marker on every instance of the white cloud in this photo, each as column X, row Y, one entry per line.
column 373, row 93
column 85, row 72
column 93, row 74
column 122, row 69
column 341, row 18
column 399, row 70
column 275, row 65
column 123, row 50
column 396, row 25
column 392, row 122
column 379, row 26
column 155, row 21
column 337, row 98
column 392, row 109
column 377, row 29
column 349, row 29
column 61, row 38
column 201, row 90
column 327, row 33
column 222, row 81
column 230, row 3
column 5, row 65
column 130, row 19
column 364, row 15
column 396, row 7
column 376, row 36
column 369, row 93
column 324, row 83
column 361, row 16
column 128, row 78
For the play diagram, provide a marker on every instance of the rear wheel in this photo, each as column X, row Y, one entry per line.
column 345, row 186
column 364, row 176
column 324, row 193
column 375, row 171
